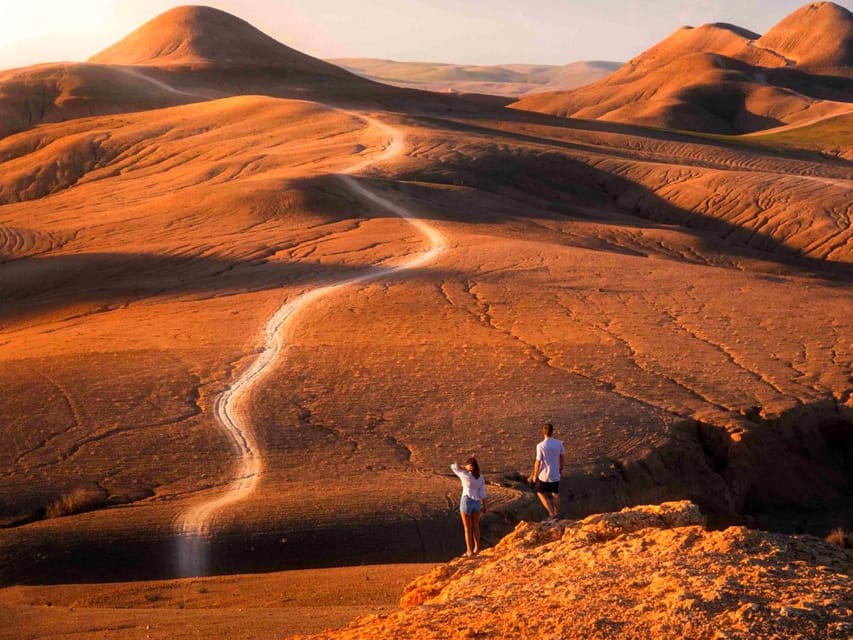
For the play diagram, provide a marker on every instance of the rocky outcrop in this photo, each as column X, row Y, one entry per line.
column 788, row 471
column 644, row 572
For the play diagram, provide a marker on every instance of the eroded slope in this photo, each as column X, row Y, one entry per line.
column 611, row 280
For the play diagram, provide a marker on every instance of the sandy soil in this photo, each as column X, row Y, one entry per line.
column 272, row 605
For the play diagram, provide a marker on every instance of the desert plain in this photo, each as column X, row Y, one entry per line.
column 252, row 306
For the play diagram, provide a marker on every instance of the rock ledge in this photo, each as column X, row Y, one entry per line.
column 644, row 572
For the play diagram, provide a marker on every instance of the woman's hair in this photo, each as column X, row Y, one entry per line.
column 475, row 468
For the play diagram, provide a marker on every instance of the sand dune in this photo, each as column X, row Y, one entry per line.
column 723, row 79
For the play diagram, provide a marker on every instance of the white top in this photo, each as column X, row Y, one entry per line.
column 474, row 488
column 548, row 453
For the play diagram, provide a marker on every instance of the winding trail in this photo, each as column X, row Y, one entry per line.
column 194, row 525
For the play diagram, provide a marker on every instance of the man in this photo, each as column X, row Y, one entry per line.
column 547, row 470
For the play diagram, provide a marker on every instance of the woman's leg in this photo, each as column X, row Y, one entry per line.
column 466, row 523
column 475, row 531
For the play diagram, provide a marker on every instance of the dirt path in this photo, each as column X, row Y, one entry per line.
column 195, row 524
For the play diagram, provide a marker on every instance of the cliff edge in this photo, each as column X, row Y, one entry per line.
column 644, row 572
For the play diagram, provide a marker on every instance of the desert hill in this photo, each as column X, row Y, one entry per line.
column 586, row 264
column 818, row 36
column 827, row 136
column 505, row 80
column 576, row 74
column 189, row 54
column 645, row 572
column 721, row 78
column 199, row 36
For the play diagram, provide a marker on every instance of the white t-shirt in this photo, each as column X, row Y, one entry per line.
column 474, row 488
column 548, row 453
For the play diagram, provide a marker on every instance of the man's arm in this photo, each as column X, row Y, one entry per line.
column 535, row 473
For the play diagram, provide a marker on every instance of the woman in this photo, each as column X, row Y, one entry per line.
column 472, row 503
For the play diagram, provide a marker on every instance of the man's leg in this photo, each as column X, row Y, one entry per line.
column 555, row 505
column 546, row 502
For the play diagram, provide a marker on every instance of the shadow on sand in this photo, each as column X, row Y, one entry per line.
column 42, row 557
column 108, row 280
column 521, row 185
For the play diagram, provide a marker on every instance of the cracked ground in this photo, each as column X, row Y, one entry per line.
column 608, row 280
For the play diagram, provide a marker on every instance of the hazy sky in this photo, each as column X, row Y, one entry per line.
column 467, row 31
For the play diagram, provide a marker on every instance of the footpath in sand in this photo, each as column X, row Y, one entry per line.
column 196, row 522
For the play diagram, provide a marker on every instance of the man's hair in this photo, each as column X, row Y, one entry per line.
column 548, row 429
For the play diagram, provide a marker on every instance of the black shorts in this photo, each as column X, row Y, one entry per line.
column 547, row 487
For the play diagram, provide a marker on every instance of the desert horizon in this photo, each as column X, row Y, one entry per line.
column 254, row 303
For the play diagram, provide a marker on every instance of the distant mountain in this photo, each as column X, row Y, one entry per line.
column 721, row 78
column 504, row 80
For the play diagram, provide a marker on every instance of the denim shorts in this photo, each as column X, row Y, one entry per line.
column 469, row 506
